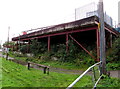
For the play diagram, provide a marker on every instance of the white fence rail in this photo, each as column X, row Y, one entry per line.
column 72, row 84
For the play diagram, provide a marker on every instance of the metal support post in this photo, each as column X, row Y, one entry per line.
column 98, row 44
column 48, row 43
column 110, row 39
column 67, row 43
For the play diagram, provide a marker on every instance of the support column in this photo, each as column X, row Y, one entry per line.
column 48, row 43
column 67, row 42
column 110, row 39
column 82, row 47
column 28, row 46
column 98, row 44
column 17, row 46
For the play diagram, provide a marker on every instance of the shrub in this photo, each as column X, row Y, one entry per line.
column 115, row 55
column 37, row 47
column 23, row 49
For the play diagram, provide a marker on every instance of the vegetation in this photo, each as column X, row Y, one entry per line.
column 58, row 52
column 76, row 56
column 114, row 56
column 15, row 75
column 52, row 63
column 108, row 82
column 0, row 73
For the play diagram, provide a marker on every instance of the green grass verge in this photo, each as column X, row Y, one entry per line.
column 15, row 75
column 109, row 82
column 56, row 64
column 0, row 72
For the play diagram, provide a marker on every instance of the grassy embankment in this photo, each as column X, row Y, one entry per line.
column 15, row 75
column 56, row 64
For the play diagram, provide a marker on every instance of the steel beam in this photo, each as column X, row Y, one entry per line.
column 48, row 43
column 82, row 47
column 110, row 31
column 62, row 33
column 67, row 43
column 98, row 44
column 110, row 39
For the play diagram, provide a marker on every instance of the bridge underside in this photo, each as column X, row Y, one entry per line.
column 83, row 32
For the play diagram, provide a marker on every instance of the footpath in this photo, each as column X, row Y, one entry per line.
column 113, row 73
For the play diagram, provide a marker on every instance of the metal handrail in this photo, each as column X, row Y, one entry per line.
column 97, row 82
column 71, row 85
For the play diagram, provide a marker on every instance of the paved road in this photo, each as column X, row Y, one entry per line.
column 115, row 73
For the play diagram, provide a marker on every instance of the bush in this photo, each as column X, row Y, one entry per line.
column 37, row 47
column 115, row 55
column 23, row 49
column 113, row 66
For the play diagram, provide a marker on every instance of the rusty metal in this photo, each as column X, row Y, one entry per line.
column 48, row 43
column 82, row 47
column 67, row 43
column 63, row 33
column 98, row 44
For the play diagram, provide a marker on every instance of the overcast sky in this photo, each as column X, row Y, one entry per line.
column 23, row 15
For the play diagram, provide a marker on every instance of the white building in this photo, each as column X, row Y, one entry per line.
column 91, row 10
column 119, row 14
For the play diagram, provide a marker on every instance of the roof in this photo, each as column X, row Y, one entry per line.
column 83, row 23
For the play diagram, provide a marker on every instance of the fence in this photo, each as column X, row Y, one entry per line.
column 91, row 10
column 94, row 75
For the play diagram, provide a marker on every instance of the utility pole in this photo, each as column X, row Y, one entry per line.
column 7, row 43
column 102, row 37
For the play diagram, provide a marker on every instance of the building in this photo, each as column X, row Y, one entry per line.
column 84, row 32
column 119, row 14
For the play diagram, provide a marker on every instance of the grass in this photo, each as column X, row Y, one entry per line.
column 109, row 82
column 0, row 73
column 113, row 66
column 56, row 64
column 15, row 75
column 63, row 65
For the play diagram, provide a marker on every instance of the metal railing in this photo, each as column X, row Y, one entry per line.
column 91, row 67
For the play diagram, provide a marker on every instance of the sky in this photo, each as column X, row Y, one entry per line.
column 21, row 15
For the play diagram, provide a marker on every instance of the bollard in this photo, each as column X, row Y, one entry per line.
column 45, row 70
column 28, row 66
column 6, row 56
column 48, row 71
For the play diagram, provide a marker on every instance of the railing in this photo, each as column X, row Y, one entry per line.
column 94, row 76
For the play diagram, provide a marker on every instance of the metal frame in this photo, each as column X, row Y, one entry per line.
column 67, row 38
column 48, row 43
column 72, row 84
column 82, row 47
column 62, row 33
column 98, row 44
